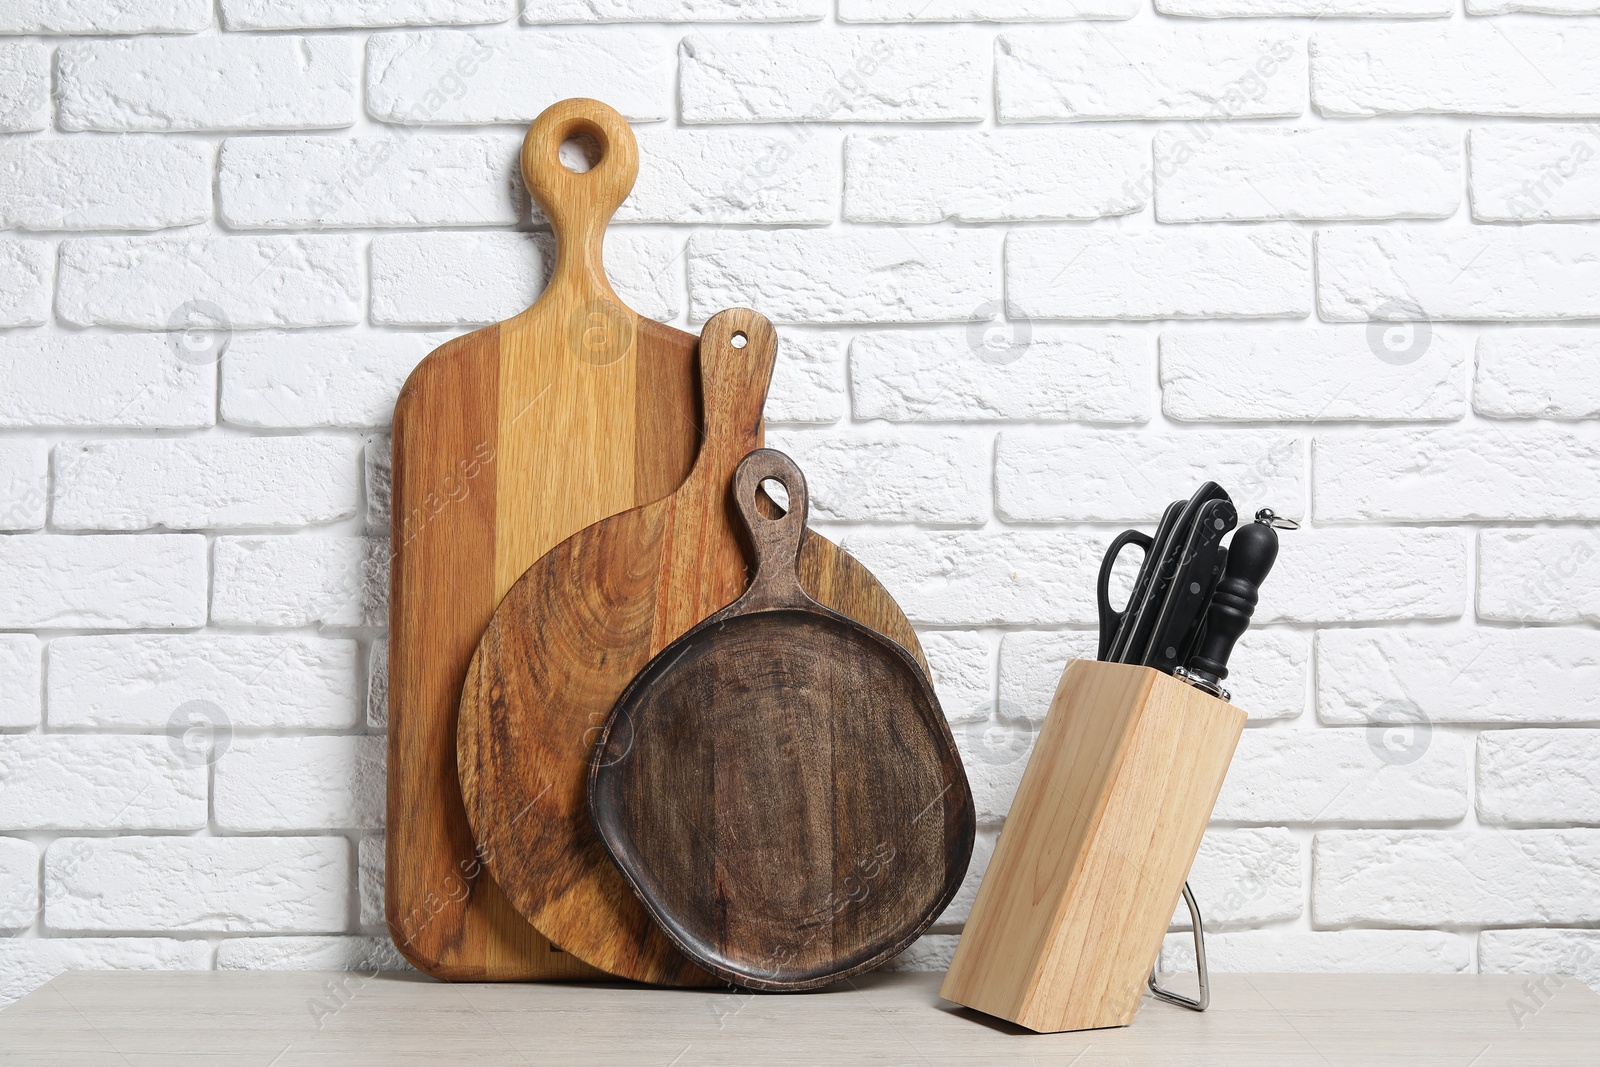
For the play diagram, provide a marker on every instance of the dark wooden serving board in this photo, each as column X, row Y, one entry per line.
column 573, row 631
column 779, row 785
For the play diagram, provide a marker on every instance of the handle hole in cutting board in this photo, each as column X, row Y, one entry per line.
column 739, row 340
column 580, row 153
column 776, row 493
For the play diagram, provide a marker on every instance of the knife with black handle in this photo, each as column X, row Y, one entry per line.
column 1167, row 557
column 1198, row 573
column 1250, row 557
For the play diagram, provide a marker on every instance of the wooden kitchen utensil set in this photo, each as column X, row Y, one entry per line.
column 638, row 711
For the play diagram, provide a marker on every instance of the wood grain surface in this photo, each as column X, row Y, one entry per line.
column 779, row 786
column 1105, row 825
column 572, row 633
column 506, row 441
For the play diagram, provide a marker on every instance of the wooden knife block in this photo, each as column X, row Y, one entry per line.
column 1092, row 859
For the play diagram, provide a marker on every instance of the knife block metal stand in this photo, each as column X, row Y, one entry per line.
column 1089, row 867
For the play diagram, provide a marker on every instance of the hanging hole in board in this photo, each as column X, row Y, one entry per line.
column 739, row 340
column 580, row 153
column 775, row 491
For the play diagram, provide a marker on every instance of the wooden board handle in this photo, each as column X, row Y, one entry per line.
column 580, row 205
column 776, row 540
column 737, row 350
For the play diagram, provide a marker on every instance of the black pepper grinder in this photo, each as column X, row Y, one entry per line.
column 1251, row 553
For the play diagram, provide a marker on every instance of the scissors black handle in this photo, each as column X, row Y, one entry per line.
column 1111, row 621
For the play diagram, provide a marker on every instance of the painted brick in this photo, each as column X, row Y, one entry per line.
column 103, row 581
column 961, row 664
column 827, row 75
column 140, row 680
column 1159, row 71
column 86, row 379
column 91, row 18
column 1010, row 176
column 858, row 275
column 1031, row 663
column 965, row 578
column 1541, row 7
column 23, row 483
column 540, row 11
column 378, row 474
column 1315, row 9
column 735, row 176
column 117, row 183
column 193, row 484
column 301, row 581
column 62, row 782
column 1328, row 172
column 420, row 279
column 19, row 883
column 1249, row 875
column 20, row 678
column 1281, row 951
column 1538, row 374
column 1562, row 952
column 378, row 685
column 1539, row 69
column 230, row 82
column 28, row 963
column 1091, row 475
column 300, row 783
column 1539, row 575
column 1453, row 878
column 1458, row 675
column 338, row 14
column 1541, row 272
column 1367, row 575
column 929, row 954
column 1328, row 775
column 213, row 884
column 1539, row 776
column 981, row 11
column 370, row 864
column 447, row 77
column 1493, row 473
column 396, row 179
column 163, row 283
column 26, row 275
column 869, row 476
column 1534, row 173
column 999, row 371
column 1268, row 671
column 363, row 954
column 995, row 753
column 1383, row 371
column 808, row 380
column 1251, row 273
column 278, row 379
column 24, row 86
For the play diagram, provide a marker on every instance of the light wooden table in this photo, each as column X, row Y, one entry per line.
column 281, row 1019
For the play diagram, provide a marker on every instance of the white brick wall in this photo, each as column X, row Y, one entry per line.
column 1039, row 267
